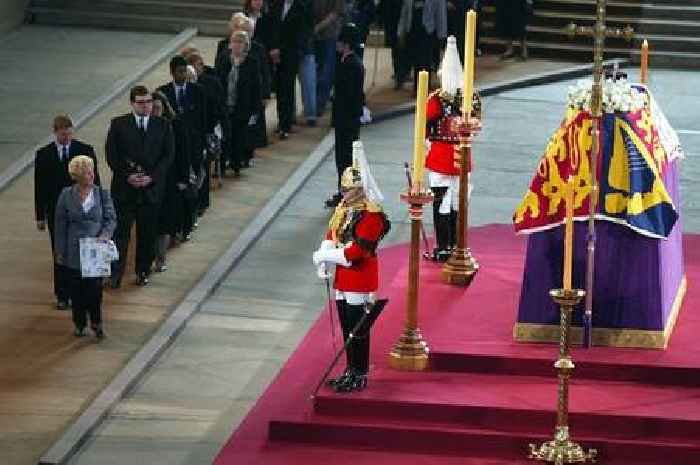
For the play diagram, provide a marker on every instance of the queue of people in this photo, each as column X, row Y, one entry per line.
column 161, row 153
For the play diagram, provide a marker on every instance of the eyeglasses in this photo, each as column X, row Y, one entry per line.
column 141, row 102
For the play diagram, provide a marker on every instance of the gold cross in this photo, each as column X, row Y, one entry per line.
column 599, row 32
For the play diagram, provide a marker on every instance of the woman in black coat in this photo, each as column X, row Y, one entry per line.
column 239, row 74
column 176, row 213
column 257, row 51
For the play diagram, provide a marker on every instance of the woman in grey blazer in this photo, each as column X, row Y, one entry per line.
column 83, row 210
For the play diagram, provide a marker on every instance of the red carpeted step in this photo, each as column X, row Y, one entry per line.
column 538, row 361
column 451, row 440
column 524, row 403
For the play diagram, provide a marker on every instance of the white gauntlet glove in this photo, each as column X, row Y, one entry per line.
column 336, row 256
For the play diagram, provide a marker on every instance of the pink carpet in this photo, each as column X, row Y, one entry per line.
column 485, row 397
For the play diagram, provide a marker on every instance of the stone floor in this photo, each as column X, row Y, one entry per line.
column 188, row 404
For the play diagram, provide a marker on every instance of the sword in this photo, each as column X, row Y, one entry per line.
column 426, row 254
column 330, row 312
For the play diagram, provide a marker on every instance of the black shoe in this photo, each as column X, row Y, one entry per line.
column 283, row 135
column 141, row 279
column 334, row 201
column 311, row 123
column 443, row 255
column 354, row 382
column 342, row 379
column 160, row 266
column 62, row 305
column 99, row 334
column 79, row 332
column 508, row 54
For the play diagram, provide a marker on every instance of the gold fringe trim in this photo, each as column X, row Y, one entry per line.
column 609, row 337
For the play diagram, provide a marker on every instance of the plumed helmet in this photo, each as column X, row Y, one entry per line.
column 359, row 175
column 350, row 34
column 451, row 73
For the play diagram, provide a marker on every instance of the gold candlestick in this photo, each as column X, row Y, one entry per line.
column 411, row 351
column 461, row 267
column 644, row 67
column 562, row 449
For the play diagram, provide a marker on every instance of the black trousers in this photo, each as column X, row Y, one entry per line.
column 146, row 217
column 286, row 79
column 61, row 282
column 344, row 137
column 204, row 200
column 418, row 49
column 511, row 18
column 357, row 354
column 86, row 294
column 445, row 225
column 237, row 145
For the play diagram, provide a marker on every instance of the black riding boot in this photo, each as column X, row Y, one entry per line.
column 441, row 224
column 359, row 353
column 345, row 325
column 453, row 230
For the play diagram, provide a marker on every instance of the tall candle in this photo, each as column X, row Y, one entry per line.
column 644, row 72
column 419, row 130
column 569, row 192
column 469, row 57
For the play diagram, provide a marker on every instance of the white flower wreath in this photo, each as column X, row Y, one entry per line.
column 618, row 95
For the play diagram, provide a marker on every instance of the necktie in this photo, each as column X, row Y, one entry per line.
column 64, row 154
column 179, row 97
column 142, row 126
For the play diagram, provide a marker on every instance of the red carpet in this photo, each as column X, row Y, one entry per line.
column 486, row 397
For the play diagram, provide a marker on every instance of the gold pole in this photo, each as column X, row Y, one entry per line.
column 461, row 267
column 562, row 449
column 411, row 351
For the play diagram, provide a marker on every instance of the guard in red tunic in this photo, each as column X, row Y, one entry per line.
column 355, row 229
column 443, row 115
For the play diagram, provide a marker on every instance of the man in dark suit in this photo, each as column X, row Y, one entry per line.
column 347, row 102
column 189, row 100
column 139, row 150
column 50, row 177
column 286, row 51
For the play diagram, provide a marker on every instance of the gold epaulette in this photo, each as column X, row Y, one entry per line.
column 373, row 207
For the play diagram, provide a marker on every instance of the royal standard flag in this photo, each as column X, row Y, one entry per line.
column 629, row 174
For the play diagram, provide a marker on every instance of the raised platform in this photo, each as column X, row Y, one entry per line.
column 486, row 397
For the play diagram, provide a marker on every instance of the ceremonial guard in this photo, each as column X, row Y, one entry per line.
column 355, row 229
column 443, row 115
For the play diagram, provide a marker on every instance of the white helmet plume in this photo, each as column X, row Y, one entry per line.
column 369, row 185
column 451, row 72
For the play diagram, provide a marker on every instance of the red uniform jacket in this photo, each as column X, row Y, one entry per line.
column 443, row 140
column 363, row 235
